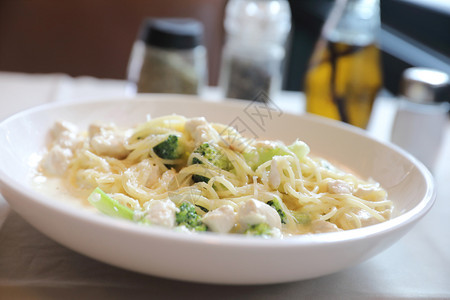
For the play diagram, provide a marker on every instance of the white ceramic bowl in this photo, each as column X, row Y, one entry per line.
column 211, row 258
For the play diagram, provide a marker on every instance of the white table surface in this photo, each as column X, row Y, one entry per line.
column 34, row 267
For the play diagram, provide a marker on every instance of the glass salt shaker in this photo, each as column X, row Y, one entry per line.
column 422, row 113
column 169, row 57
column 253, row 55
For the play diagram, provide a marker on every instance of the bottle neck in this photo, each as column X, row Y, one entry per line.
column 355, row 22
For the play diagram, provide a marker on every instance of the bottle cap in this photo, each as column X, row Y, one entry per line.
column 423, row 85
column 258, row 20
column 172, row 33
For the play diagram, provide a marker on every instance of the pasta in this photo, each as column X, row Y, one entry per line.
column 192, row 175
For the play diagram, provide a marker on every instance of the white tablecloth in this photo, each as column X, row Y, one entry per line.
column 34, row 267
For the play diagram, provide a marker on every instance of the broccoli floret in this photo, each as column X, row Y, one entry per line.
column 260, row 155
column 169, row 149
column 189, row 217
column 109, row 206
column 257, row 156
column 213, row 155
column 261, row 229
column 275, row 203
column 299, row 148
column 204, row 209
column 200, row 178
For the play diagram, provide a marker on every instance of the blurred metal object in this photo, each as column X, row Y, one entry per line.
column 422, row 113
column 423, row 85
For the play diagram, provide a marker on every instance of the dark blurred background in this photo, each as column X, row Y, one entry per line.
column 86, row 37
column 414, row 33
column 92, row 37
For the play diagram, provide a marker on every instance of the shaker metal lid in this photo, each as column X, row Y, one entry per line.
column 172, row 33
column 424, row 85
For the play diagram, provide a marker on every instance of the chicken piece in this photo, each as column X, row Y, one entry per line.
column 220, row 220
column 201, row 131
column 87, row 178
column 339, row 187
column 97, row 128
column 274, row 175
column 145, row 173
column 372, row 193
column 276, row 233
column 254, row 212
column 62, row 127
column 56, row 161
column 162, row 213
column 321, row 226
column 65, row 134
column 235, row 143
column 107, row 140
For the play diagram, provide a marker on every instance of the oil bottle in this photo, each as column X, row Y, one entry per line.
column 344, row 73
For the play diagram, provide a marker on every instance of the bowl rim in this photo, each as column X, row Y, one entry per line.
column 214, row 239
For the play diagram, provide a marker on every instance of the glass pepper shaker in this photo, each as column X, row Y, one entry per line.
column 253, row 55
column 422, row 113
column 169, row 57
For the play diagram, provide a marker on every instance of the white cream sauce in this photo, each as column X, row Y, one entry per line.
column 54, row 188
